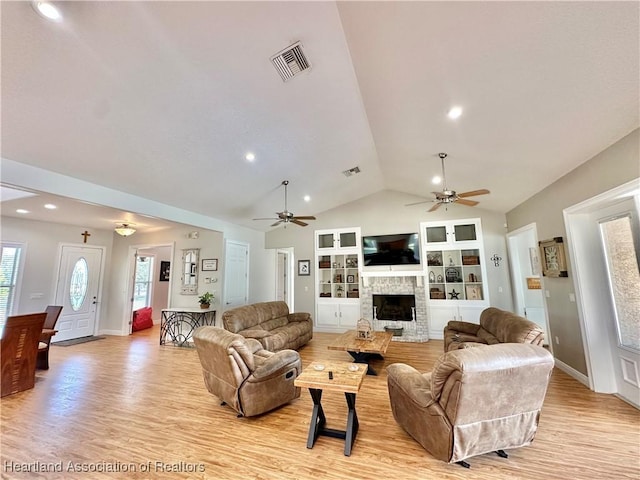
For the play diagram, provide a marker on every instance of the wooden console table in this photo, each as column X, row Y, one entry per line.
column 178, row 324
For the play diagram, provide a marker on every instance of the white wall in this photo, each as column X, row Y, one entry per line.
column 43, row 240
column 261, row 269
column 614, row 166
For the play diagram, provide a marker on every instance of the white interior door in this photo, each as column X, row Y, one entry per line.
column 77, row 291
column 236, row 274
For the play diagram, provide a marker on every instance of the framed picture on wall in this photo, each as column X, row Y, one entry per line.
column 304, row 268
column 209, row 264
column 165, row 271
column 554, row 262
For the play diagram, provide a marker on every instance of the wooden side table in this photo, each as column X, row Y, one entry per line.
column 347, row 378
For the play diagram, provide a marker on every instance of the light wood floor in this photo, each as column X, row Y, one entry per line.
column 128, row 400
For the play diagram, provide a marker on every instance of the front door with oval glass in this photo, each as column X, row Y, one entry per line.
column 77, row 292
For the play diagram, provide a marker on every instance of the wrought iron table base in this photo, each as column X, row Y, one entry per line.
column 318, row 422
column 177, row 327
column 364, row 357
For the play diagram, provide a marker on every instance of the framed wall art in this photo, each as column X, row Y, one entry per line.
column 304, row 268
column 553, row 259
column 209, row 264
column 165, row 271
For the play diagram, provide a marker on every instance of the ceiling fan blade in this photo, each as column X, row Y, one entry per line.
column 470, row 203
column 434, row 208
column 265, row 218
column 304, row 217
column 298, row 222
column 417, row 203
column 277, row 223
column 473, row 193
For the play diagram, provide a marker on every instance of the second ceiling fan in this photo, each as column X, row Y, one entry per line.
column 286, row 216
column 447, row 196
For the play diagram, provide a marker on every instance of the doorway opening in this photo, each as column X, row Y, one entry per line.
column 285, row 276
column 522, row 245
column 149, row 283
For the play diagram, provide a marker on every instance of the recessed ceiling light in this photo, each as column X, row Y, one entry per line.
column 307, row 198
column 22, row 210
column 47, row 10
column 250, row 156
column 50, row 206
column 436, row 180
column 454, row 113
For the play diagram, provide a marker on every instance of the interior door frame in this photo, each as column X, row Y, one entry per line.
column 288, row 252
column 103, row 263
column 127, row 315
column 516, row 273
column 595, row 333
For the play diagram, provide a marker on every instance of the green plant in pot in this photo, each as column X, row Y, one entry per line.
column 205, row 299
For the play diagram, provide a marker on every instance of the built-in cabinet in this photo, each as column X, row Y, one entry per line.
column 455, row 272
column 338, row 259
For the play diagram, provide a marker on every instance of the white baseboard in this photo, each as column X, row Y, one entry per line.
column 572, row 372
column 436, row 335
column 118, row 333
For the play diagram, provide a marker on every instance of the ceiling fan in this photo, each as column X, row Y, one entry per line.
column 286, row 216
column 447, row 196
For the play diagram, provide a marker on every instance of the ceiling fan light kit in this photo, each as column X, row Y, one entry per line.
column 447, row 196
column 286, row 216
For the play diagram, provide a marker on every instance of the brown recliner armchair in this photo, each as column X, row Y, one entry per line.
column 475, row 401
column 496, row 326
column 242, row 374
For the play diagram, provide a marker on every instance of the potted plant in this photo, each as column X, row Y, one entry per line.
column 205, row 299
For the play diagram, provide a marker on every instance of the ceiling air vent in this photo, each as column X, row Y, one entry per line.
column 351, row 171
column 290, row 62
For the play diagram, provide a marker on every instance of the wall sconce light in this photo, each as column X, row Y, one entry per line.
column 125, row 230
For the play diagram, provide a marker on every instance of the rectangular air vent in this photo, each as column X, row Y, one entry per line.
column 351, row 171
column 291, row 61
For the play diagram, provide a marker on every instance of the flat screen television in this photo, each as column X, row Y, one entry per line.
column 397, row 249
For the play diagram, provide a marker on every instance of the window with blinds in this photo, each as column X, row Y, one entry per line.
column 8, row 278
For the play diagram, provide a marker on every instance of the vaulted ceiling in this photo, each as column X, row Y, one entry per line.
column 164, row 99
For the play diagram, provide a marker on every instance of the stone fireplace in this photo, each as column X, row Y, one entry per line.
column 402, row 287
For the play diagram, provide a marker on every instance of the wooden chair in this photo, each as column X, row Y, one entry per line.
column 48, row 331
column 18, row 352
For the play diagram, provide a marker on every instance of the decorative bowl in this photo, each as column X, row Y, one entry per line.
column 353, row 368
column 318, row 367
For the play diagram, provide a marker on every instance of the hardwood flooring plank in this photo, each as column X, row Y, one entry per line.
column 129, row 402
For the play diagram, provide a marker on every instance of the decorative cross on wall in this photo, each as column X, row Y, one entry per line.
column 85, row 234
column 496, row 259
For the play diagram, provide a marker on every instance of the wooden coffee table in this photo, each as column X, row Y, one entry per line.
column 347, row 378
column 363, row 351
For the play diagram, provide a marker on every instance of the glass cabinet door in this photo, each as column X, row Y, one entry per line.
column 437, row 234
column 348, row 239
column 325, row 240
column 465, row 233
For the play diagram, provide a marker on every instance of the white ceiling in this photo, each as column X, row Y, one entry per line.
column 163, row 99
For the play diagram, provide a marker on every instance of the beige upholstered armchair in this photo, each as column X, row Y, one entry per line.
column 242, row 374
column 475, row 401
